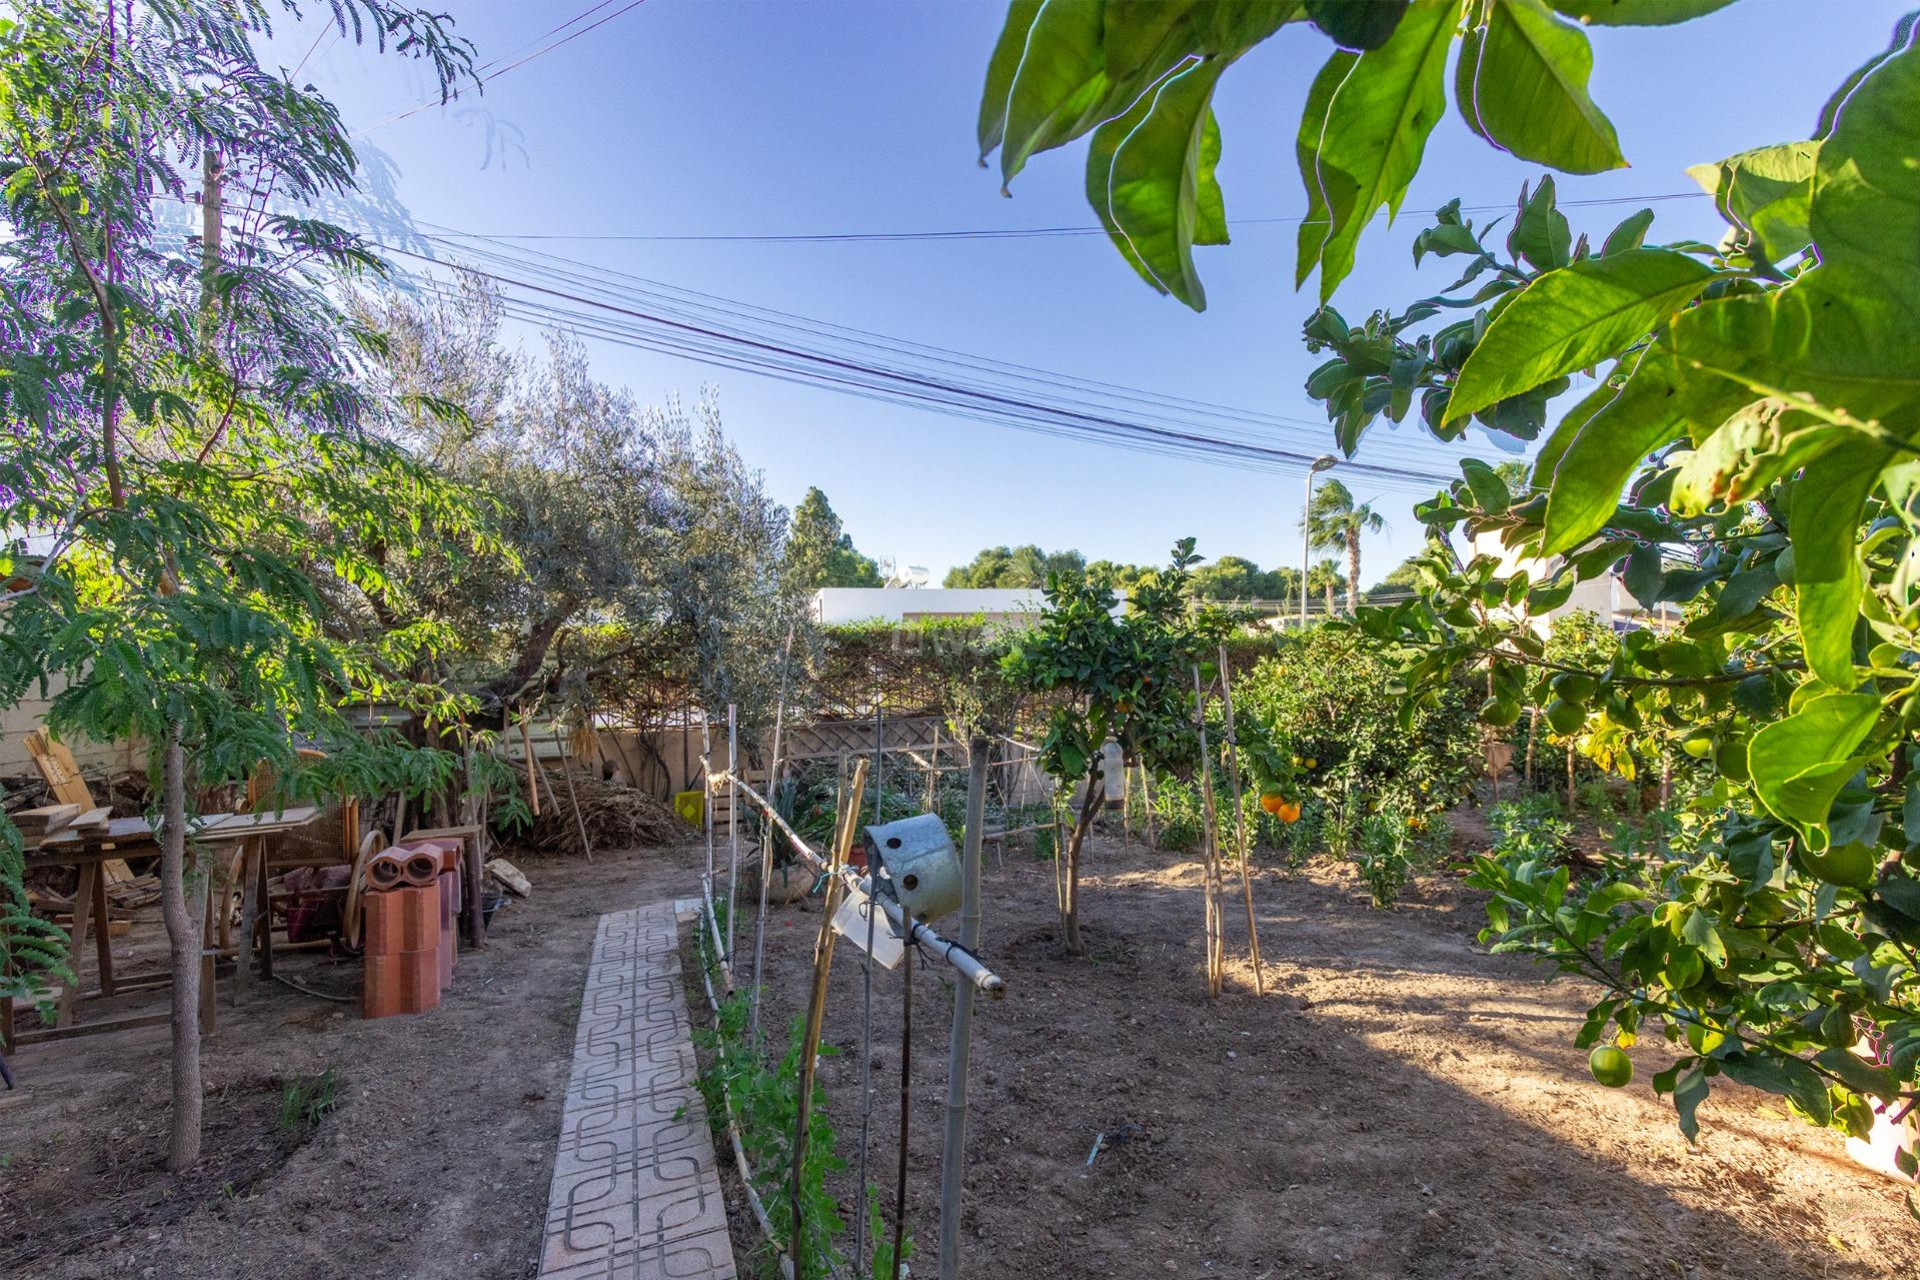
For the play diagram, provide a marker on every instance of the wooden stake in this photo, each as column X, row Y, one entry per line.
column 1209, row 847
column 953, row 1159
column 1146, row 798
column 817, row 1006
column 573, row 799
column 533, row 772
column 1240, row 827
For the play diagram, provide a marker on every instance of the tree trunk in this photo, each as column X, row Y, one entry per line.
column 1330, row 585
column 180, row 889
column 1353, row 570
column 511, row 684
column 1089, row 809
column 1533, row 736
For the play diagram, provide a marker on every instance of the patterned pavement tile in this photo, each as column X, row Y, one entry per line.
column 636, row 1195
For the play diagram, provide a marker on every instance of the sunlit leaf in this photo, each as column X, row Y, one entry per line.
column 1524, row 80
column 1800, row 763
column 1574, row 318
column 1375, row 131
column 1150, row 178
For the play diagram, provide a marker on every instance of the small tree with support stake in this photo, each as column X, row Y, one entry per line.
column 1118, row 679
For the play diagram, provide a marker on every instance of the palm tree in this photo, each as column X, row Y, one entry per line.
column 1324, row 576
column 1334, row 522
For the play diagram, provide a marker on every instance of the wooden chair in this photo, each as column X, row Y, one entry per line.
column 253, row 868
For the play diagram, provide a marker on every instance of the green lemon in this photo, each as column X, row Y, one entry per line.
column 1565, row 717
column 1573, row 687
column 1731, row 759
column 1610, row 1066
column 1699, row 745
column 1500, row 712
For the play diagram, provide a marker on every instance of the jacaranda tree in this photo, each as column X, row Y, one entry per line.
column 189, row 448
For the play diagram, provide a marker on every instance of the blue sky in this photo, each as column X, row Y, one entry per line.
column 804, row 116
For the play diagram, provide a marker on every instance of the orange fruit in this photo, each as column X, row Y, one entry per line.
column 1288, row 812
column 1273, row 802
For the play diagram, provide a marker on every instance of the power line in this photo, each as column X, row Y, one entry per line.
column 690, row 303
column 490, row 76
column 822, row 368
column 979, row 233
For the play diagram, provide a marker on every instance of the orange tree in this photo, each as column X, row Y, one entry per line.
column 1122, row 678
column 1748, row 450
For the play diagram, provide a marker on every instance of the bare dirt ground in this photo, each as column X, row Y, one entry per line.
column 1398, row 1105
column 435, row 1163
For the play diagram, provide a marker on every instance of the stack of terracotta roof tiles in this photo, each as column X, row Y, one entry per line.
column 413, row 893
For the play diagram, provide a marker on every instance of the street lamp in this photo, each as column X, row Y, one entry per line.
column 1324, row 462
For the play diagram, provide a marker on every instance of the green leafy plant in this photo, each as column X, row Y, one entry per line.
column 1746, row 461
column 189, row 440
column 1140, row 80
column 1121, row 678
column 1327, row 715
column 307, row 1100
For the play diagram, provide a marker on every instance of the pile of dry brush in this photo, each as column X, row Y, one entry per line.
column 615, row 816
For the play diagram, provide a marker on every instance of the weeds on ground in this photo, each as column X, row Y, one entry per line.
column 763, row 1101
column 307, row 1100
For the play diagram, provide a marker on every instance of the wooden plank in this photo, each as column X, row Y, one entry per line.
column 46, row 819
column 67, row 1031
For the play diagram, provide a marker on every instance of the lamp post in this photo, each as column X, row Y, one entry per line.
column 1324, row 462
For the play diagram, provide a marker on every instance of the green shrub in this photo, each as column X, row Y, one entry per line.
column 1330, row 699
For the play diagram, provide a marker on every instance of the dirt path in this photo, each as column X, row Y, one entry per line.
column 435, row 1163
column 1400, row 1105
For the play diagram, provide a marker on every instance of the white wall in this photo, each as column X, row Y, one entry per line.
column 17, row 722
column 881, row 604
column 1599, row 596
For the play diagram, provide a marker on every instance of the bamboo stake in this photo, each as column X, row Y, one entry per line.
column 1240, row 827
column 573, row 798
column 817, row 1006
column 1209, row 845
column 960, row 1044
column 1146, row 797
column 766, row 847
column 906, row 1103
column 1126, row 804
column 933, row 773
column 533, row 774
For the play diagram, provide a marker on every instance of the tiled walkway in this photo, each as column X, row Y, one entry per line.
column 635, row 1194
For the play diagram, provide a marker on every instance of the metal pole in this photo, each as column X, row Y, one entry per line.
column 953, row 1155
column 766, row 847
column 961, row 958
column 733, row 823
column 1306, row 547
column 706, row 793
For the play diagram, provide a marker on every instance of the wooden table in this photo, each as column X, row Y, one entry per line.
column 89, row 851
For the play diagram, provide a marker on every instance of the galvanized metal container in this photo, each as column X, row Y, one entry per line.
column 921, row 863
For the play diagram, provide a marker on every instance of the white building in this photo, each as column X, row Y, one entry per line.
column 1000, row 606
